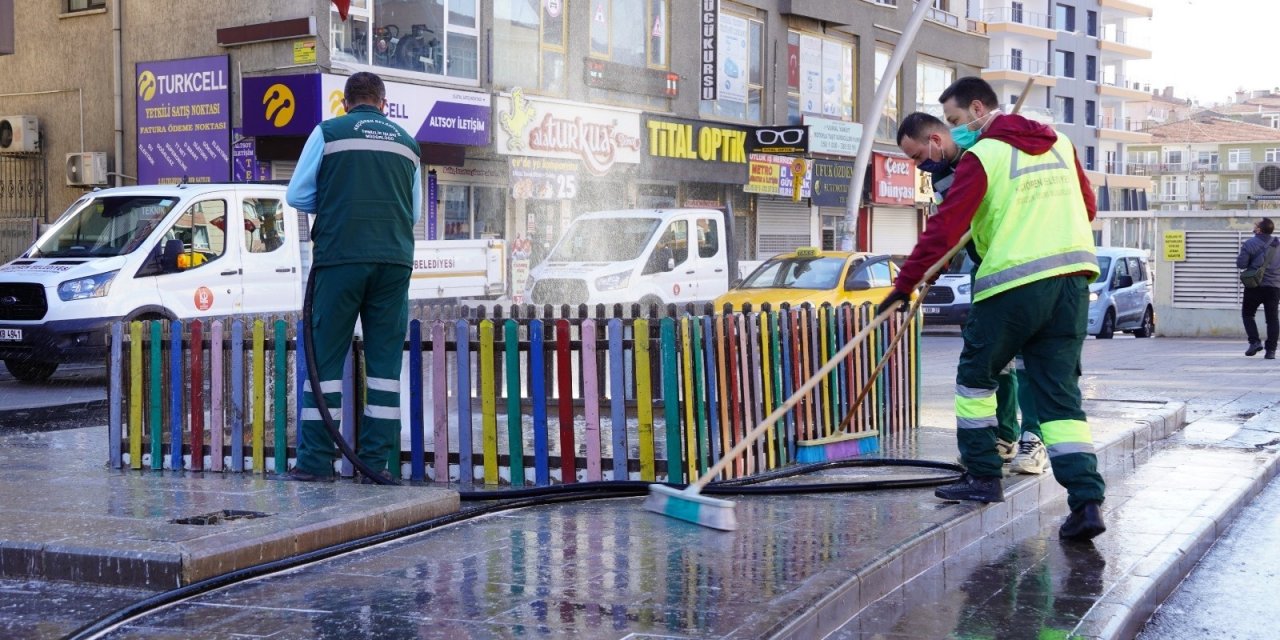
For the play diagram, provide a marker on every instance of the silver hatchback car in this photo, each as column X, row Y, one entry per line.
column 1120, row 299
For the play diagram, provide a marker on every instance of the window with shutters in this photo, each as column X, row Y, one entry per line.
column 1208, row 278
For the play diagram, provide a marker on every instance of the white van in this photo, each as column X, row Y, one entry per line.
column 1120, row 299
column 649, row 256
column 948, row 300
column 182, row 252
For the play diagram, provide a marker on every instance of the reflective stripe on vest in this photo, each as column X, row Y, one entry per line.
column 1032, row 223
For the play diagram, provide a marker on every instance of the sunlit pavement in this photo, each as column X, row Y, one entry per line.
column 882, row 564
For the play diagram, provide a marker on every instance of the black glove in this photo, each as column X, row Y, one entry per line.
column 895, row 300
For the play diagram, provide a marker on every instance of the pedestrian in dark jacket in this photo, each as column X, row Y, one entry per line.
column 1252, row 254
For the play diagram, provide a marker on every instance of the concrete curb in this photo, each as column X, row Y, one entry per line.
column 936, row 544
column 64, row 413
column 1127, row 606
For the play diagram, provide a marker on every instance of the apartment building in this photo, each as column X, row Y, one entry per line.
column 1077, row 51
column 501, row 95
column 1210, row 162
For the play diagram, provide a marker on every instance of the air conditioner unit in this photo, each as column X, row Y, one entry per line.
column 1266, row 180
column 86, row 168
column 19, row 134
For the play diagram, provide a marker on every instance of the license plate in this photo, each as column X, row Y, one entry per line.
column 11, row 335
column 932, row 310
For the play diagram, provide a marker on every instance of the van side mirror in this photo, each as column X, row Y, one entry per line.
column 169, row 255
column 1124, row 282
column 671, row 264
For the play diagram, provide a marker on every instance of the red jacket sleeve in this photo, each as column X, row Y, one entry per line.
column 946, row 227
column 1086, row 190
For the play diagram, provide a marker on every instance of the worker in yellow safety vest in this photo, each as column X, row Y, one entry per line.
column 1021, row 190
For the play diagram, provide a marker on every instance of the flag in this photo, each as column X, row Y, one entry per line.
column 344, row 7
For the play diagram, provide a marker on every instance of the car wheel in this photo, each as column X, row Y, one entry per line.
column 1148, row 328
column 1108, row 325
column 30, row 371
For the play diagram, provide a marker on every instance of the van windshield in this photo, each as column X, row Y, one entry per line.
column 605, row 240
column 103, row 226
column 1104, row 265
column 961, row 264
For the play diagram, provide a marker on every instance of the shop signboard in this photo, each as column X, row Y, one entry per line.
column 184, row 114
column 694, row 150
column 244, row 160
column 893, row 179
column 831, row 183
column 598, row 137
column 776, row 175
column 833, row 137
column 543, row 178
column 292, row 105
column 779, row 140
column 709, row 14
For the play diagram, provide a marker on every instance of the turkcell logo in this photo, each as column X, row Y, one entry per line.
column 150, row 85
column 280, row 105
column 146, row 86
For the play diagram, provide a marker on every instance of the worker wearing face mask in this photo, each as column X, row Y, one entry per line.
column 1021, row 191
column 1019, row 446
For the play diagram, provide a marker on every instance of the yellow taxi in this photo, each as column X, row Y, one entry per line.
column 816, row 277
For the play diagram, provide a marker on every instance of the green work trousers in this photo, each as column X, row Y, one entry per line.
column 1013, row 394
column 1044, row 320
column 379, row 295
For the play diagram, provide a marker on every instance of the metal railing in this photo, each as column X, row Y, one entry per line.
column 1019, row 63
column 1120, row 124
column 944, row 17
column 1119, row 36
column 1018, row 16
column 1125, row 83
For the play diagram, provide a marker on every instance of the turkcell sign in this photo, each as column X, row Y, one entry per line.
column 294, row 104
column 710, row 20
column 184, row 115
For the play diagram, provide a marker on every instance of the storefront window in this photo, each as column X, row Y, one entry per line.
column 656, row 196
column 632, row 32
column 741, row 69
column 417, row 36
column 822, row 79
column 891, row 113
column 529, row 40
column 473, row 212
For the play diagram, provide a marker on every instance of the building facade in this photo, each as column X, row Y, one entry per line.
column 1210, row 162
column 1077, row 51
column 528, row 111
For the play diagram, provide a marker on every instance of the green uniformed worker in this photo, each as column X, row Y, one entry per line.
column 1021, row 190
column 360, row 174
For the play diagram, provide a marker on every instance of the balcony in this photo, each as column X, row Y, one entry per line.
column 1170, row 168
column 1124, row 89
column 1171, row 198
column 1238, row 166
column 1118, row 44
column 944, row 17
column 1125, row 8
column 1122, row 129
column 1018, row 16
column 1017, row 69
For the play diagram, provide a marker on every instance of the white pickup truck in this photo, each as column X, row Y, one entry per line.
column 646, row 256
column 183, row 252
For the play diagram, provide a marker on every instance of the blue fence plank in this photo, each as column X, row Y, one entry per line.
column 617, row 401
column 538, row 396
column 417, row 427
column 115, row 397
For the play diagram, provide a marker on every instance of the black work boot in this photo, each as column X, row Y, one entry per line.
column 1254, row 348
column 1271, row 355
column 972, row 488
column 386, row 475
column 1084, row 523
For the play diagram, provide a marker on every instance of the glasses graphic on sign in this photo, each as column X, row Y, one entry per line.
column 775, row 136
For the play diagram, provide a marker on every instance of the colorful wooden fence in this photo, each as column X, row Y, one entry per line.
column 526, row 399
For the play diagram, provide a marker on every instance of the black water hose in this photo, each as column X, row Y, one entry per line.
column 313, row 376
column 505, row 500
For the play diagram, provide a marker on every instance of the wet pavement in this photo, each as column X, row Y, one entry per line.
column 881, row 564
